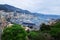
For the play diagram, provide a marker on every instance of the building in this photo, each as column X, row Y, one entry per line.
column 32, row 26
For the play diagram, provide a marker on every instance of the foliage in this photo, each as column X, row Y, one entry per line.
column 15, row 32
column 39, row 36
column 55, row 31
column 45, row 27
column 57, row 25
column 33, row 35
column 46, row 32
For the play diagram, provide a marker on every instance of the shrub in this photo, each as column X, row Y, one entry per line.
column 15, row 32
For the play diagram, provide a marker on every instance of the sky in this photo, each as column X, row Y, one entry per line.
column 39, row 6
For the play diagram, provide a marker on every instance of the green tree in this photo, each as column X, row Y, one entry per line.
column 45, row 27
column 15, row 32
column 39, row 36
column 55, row 31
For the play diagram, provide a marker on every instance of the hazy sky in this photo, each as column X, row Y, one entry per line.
column 40, row 6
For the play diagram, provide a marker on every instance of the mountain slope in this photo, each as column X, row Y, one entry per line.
column 6, row 8
column 9, row 8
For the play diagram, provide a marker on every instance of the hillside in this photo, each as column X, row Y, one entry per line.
column 34, row 17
